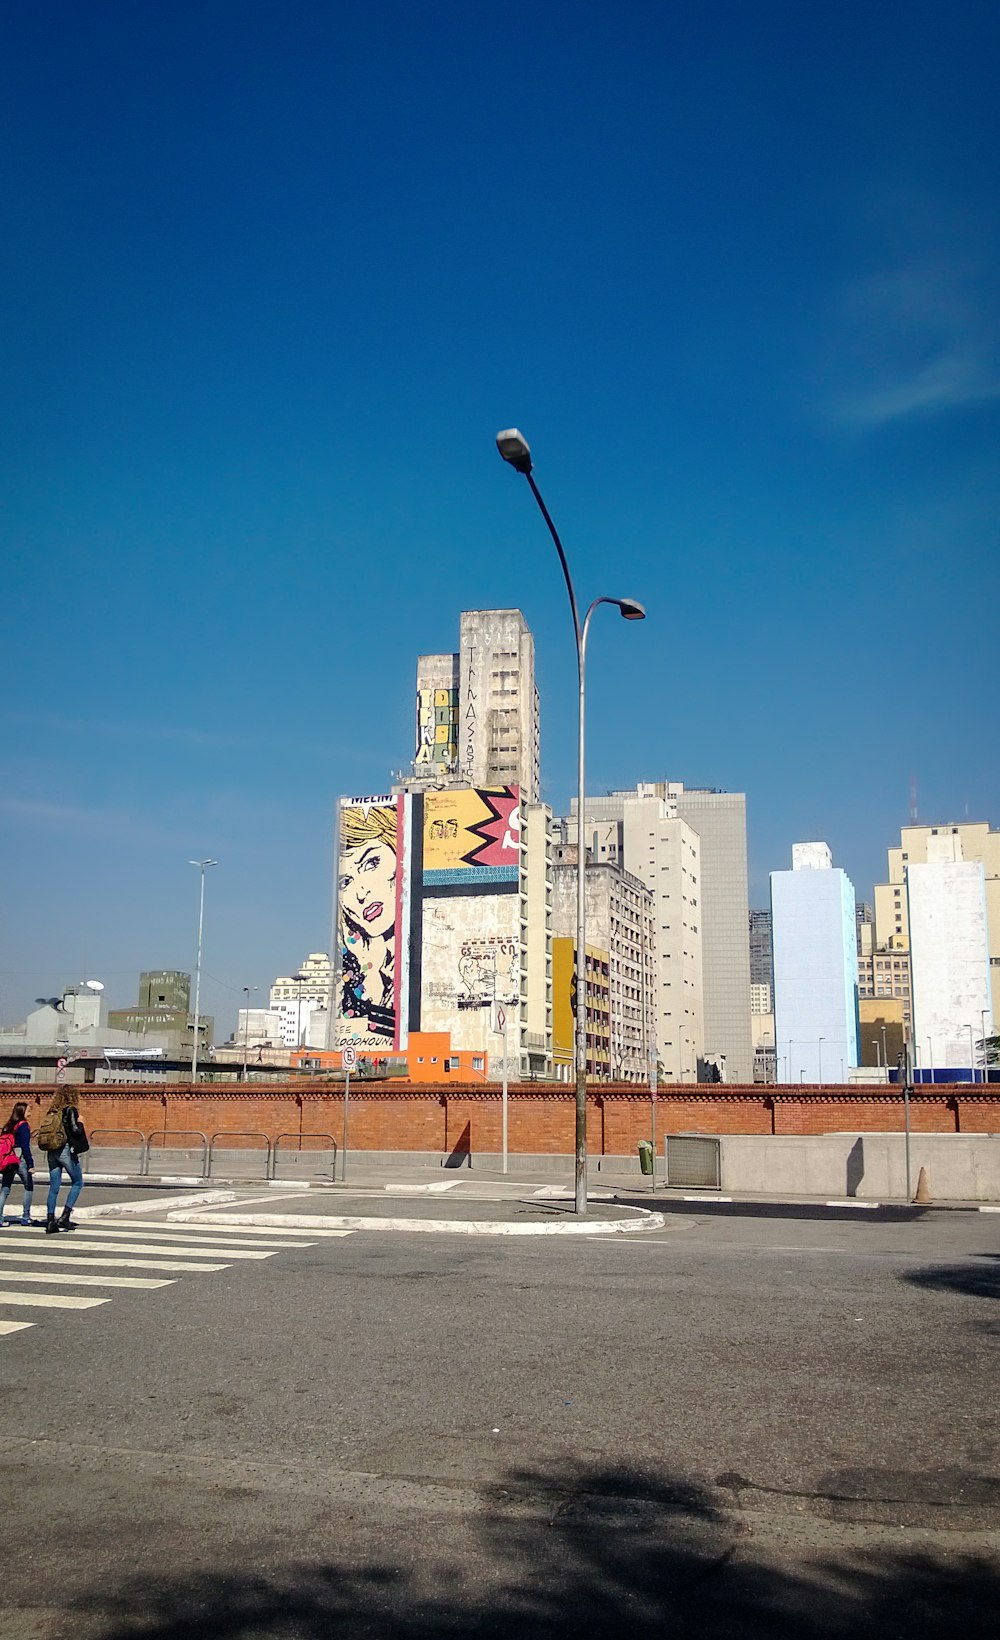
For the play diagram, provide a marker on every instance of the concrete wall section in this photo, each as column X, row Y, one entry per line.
column 868, row 1166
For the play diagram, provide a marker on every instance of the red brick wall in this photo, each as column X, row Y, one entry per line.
column 541, row 1119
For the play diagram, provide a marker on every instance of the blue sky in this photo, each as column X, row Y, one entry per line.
column 273, row 277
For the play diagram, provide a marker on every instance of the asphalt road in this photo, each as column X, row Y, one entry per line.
column 750, row 1423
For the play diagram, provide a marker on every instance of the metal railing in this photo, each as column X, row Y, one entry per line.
column 322, row 1146
column 329, row 1148
column 250, row 1134
column 97, row 1143
column 181, row 1133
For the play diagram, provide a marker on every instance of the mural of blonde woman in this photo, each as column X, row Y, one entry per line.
column 367, row 898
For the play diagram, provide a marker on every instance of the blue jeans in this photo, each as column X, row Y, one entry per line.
column 59, row 1160
column 8, row 1177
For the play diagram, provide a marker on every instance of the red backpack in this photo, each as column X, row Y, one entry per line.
column 8, row 1151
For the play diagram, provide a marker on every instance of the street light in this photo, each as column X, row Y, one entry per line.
column 821, row 1041
column 246, row 1028
column 878, row 1054
column 984, row 1014
column 514, row 449
column 203, row 866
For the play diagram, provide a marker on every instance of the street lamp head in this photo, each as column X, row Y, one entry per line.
column 513, row 446
column 631, row 609
column 202, row 864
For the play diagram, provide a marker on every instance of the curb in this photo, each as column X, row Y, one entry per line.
column 113, row 1210
column 482, row 1227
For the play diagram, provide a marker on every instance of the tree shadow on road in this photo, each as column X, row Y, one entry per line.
column 977, row 1277
column 563, row 1554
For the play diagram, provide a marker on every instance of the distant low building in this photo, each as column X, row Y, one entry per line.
column 163, row 1010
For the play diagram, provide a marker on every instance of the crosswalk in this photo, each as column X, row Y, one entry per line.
column 36, row 1270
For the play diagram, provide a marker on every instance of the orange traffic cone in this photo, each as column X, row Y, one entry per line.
column 923, row 1194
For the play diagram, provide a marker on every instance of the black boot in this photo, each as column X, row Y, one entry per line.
column 51, row 1227
column 65, row 1221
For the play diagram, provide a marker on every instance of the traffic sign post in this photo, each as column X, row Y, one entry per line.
column 500, row 1026
column 350, row 1059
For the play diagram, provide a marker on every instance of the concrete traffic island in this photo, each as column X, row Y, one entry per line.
column 515, row 1215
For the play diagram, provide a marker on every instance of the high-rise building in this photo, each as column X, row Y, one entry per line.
column 949, row 957
column 621, row 924
column 718, row 820
column 815, row 968
column 302, row 1001
column 477, row 710
column 444, row 912
column 965, row 841
column 761, row 963
column 639, row 832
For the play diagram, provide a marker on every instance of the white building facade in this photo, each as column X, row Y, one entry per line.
column 815, row 968
column 949, row 962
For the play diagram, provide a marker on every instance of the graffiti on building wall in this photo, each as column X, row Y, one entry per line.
column 471, row 835
column 369, row 872
column 489, row 966
column 437, row 727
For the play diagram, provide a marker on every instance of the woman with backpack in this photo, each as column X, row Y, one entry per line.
column 16, row 1161
column 61, row 1134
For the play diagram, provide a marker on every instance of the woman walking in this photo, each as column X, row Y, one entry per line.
column 16, row 1161
column 62, row 1134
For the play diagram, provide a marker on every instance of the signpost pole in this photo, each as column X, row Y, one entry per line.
column 350, row 1058
column 503, row 1016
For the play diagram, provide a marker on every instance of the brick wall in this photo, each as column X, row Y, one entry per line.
column 541, row 1119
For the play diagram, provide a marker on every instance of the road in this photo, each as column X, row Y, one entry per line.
column 749, row 1423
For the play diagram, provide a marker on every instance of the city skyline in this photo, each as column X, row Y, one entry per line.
column 275, row 290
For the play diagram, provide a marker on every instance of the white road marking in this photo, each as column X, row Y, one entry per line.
column 989, row 1209
column 199, row 1238
column 112, row 1263
column 14, row 1326
column 94, row 1246
column 51, row 1301
column 707, row 1198
column 852, row 1203
column 245, row 1201
column 64, row 1279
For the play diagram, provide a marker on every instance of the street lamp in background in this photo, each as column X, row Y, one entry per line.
column 878, row 1052
column 514, row 449
column 203, row 866
column 821, row 1041
column 984, row 1015
column 246, row 1027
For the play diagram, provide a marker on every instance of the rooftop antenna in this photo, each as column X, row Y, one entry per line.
column 913, row 800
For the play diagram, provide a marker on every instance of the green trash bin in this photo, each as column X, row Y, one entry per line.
column 645, row 1156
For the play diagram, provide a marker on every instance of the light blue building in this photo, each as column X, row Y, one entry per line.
column 815, row 968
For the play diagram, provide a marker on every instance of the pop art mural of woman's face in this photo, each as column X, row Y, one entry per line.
column 368, row 889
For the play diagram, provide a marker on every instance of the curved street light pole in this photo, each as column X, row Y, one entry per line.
column 203, row 866
column 514, row 449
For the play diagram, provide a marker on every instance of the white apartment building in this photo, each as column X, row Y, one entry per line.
column 949, row 957
column 974, row 841
column 296, row 998
column 641, row 833
column 815, row 968
column 719, row 820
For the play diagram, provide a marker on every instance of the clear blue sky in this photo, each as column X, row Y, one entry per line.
column 274, row 275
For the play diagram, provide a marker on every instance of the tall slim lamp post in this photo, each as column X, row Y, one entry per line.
column 203, row 866
column 514, row 448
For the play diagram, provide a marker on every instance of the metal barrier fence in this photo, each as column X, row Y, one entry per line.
column 252, row 1134
column 181, row 1133
column 301, row 1153
column 99, row 1141
column 328, row 1149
